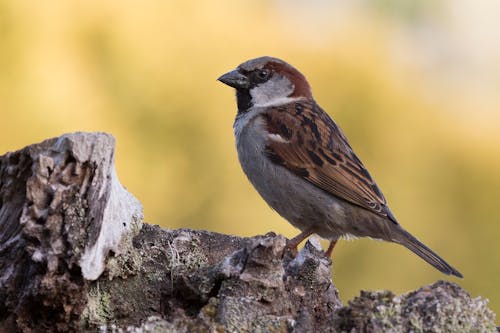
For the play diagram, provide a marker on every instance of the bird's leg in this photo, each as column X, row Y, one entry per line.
column 295, row 241
column 329, row 251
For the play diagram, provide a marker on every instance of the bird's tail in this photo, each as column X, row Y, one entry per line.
column 406, row 239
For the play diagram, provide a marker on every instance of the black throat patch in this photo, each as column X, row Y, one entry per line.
column 244, row 100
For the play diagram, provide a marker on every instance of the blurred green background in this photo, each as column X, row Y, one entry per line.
column 414, row 84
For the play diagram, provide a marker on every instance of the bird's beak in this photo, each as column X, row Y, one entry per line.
column 235, row 79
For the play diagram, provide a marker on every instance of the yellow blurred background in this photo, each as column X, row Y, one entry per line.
column 414, row 84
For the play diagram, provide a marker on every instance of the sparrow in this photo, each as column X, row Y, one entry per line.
column 300, row 162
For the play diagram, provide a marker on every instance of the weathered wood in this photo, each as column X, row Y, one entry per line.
column 75, row 256
column 62, row 211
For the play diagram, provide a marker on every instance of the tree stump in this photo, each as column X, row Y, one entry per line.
column 75, row 256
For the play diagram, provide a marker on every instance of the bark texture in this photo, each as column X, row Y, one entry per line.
column 75, row 256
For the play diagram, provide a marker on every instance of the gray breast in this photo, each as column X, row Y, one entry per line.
column 298, row 201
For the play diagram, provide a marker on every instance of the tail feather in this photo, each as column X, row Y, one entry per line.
column 406, row 239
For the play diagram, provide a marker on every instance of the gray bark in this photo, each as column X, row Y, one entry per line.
column 75, row 256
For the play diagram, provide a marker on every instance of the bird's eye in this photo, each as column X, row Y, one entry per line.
column 263, row 74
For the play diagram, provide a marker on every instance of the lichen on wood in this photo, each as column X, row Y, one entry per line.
column 62, row 212
column 75, row 256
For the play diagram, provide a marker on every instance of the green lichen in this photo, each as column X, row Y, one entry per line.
column 125, row 264
column 185, row 255
column 98, row 310
column 156, row 324
column 272, row 324
column 129, row 260
column 155, row 276
column 441, row 307
column 210, row 309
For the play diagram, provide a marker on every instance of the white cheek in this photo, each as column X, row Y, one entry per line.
column 273, row 92
column 277, row 102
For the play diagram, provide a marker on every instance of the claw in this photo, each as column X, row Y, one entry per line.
column 292, row 244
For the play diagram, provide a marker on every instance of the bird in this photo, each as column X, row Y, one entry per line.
column 301, row 163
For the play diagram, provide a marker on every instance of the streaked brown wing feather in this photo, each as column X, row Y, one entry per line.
column 317, row 150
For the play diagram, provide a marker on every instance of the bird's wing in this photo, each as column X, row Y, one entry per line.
column 306, row 141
